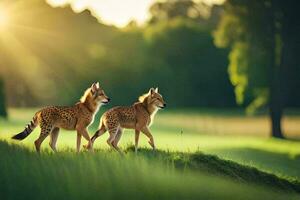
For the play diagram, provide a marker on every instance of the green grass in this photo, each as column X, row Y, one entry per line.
column 213, row 165
column 248, row 166
column 108, row 175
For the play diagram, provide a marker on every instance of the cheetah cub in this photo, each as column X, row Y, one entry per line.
column 139, row 116
column 77, row 117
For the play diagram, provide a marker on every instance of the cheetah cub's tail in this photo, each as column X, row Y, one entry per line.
column 28, row 129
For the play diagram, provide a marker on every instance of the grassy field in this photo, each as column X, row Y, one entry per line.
column 249, row 164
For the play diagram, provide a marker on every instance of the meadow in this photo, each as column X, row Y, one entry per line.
column 202, row 154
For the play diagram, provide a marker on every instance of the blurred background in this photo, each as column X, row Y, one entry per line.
column 235, row 59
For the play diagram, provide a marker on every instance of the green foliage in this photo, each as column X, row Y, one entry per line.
column 49, row 52
column 54, row 61
column 177, row 55
column 163, row 11
column 248, row 35
column 3, row 112
column 205, row 16
column 256, row 32
column 238, row 70
column 196, row 66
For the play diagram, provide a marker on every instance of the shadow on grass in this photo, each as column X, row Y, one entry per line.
column 283, row 164
column 214, row 165
column 293, row 139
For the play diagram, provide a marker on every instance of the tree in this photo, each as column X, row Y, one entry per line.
column 190, row 57
column 3, row 112
column 170, row 9
column 257, row 34
column 205, row 15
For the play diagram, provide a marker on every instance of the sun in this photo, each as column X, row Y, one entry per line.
column 4, row 19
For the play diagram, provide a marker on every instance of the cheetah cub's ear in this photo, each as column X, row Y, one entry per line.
column 95, row 86
column 151, row 91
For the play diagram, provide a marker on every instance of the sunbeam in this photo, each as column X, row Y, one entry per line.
column 4, row 19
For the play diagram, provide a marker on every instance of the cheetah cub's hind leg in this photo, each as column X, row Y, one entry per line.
column 45, row 131
column 117, row 139
column 53, row 138
column 112, row 135
column 98, row 133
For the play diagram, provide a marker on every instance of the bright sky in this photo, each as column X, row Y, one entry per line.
column 115, row 12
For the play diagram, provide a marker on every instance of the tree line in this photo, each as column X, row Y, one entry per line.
column 62, row 52
column 241, row 53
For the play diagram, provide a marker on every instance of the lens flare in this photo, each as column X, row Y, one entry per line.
column 4, row 19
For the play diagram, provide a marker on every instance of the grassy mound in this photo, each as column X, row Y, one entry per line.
column 213, row 165
column 107, row 175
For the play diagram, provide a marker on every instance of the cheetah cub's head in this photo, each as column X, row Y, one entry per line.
column 98, row 94
column 155, row 98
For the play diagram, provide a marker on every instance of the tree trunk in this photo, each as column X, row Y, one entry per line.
column 276, row 94
column 276, row 99
column 276, row 66
column 3, row 112
column 276, row 110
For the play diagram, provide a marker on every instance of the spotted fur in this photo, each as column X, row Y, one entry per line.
column 77, row 117
column 139, row 116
